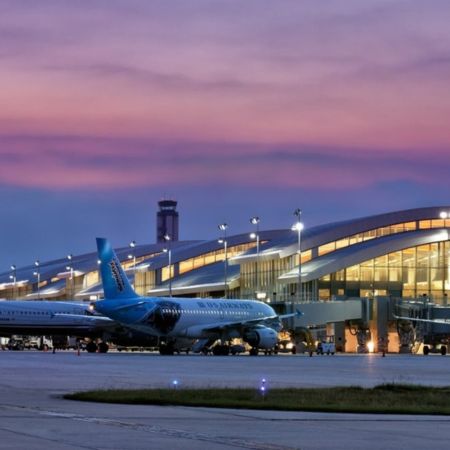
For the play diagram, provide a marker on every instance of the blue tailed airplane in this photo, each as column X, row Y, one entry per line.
column 204, row 320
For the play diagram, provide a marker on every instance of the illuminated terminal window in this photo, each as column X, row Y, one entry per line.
column 380, row 232
column 306, row 256
column 411, row 272
column 434, row 223
column 212, row 257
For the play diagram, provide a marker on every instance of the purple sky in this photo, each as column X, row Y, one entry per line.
column 234, row 108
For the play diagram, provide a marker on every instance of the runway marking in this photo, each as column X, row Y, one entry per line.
column 48, row 439
column 171, row 432
column 345, row 417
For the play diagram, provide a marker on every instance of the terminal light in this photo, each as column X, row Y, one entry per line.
column 298, row 226
column 443, row 215
column 371, row 346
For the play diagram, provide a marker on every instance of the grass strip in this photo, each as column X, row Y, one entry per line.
column 382, row 399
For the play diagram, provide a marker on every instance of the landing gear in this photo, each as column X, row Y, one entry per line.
column 91, row 347
column 103, row 347
column 221, row 350
column 253, row 351
column 166, row 349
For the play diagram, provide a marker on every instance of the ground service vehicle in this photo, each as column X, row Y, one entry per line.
column 326, row 346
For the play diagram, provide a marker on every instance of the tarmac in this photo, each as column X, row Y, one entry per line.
column 33, row 414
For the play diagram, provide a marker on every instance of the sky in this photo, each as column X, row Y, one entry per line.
column 233, row 108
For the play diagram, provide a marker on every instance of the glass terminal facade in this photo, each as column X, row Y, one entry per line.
column 411, row 272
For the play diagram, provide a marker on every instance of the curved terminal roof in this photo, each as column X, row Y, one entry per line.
column 82, row 263
column 275, row 244
column 316, row 236
column 208, row 278
column 364, row 251
column 192, row 249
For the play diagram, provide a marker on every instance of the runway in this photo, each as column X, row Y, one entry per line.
column 34, row 416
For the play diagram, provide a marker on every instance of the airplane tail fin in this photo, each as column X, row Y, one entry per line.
column 115, row 282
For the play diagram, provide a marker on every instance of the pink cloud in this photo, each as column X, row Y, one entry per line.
column 358, row 81
column 72, row 163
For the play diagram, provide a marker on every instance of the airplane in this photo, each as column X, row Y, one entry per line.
column 201, row 319
column 50, row 318
column 55, row 318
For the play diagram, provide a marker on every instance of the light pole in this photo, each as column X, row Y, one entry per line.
column 169, row 251
column 223, row 227
column 255, row 221
column 298, row 226
column 13, row 277
column 132, row 256
column 72, row 281
column 37, row 273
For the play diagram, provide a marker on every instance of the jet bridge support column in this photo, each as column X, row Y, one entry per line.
column 339, row 336
column 381, row 316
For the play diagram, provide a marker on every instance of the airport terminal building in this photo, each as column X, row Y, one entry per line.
column 349, row 278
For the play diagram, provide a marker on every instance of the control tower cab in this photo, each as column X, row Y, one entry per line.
column 167, row 220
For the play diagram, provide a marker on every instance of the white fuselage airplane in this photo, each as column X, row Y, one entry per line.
column 49, row 318
column 205, row 319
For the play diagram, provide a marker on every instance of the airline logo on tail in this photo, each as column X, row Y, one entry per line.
column 114, row 279
column 116, row 275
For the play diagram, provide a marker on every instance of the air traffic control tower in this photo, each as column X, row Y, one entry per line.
column 167, row 220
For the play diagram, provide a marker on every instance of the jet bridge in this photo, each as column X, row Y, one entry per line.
column 416, row 336
column 370, row 325
column 332, row 315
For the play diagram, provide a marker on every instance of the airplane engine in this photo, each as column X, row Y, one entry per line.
column 262, row 337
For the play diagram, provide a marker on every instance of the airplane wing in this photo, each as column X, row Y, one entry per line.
column 268, row 320
column 297, row 313
column 84, row 320
column 83, row 317
column 437, row 321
